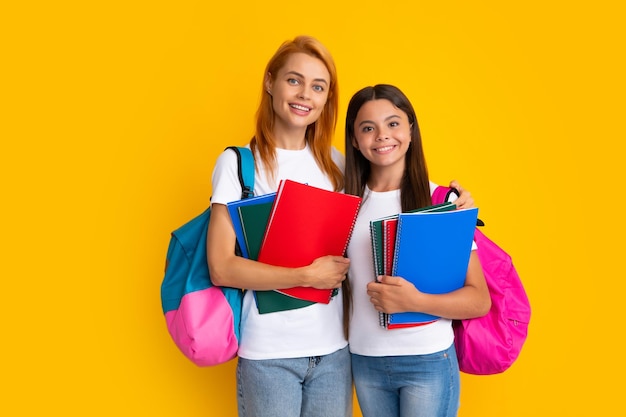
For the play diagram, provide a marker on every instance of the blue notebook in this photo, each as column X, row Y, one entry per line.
column 236, row 219
column 379, row 230
column 432, row 251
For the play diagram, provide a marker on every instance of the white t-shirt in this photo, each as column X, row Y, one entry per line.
column 310, row 331
column 367, row 337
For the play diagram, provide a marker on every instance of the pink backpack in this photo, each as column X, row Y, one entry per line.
column 202, row 319
column 490, row 344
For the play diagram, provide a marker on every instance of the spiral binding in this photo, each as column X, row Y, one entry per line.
column 356, row 214
column 395, row 254
column 382, row 317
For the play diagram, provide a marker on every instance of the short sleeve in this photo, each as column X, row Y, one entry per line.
column 225, row 179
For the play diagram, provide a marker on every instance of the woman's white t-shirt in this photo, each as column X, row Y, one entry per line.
column 367, row 337
column 310, row 331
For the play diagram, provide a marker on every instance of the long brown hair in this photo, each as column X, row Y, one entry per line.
column 319, row 134
column 414, row 188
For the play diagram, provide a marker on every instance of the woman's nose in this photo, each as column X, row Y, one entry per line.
column 302, row 93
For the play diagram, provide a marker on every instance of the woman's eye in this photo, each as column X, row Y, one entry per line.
column 293, row 81
column 318, row 88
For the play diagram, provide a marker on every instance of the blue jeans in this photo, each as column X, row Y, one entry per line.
column 318, row 386
column 415, row 386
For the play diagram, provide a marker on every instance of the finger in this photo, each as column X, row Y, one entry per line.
column 388, row 280
column 467, row 202
column 342, row 260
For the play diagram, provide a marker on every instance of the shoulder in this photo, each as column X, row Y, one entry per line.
column 225, row 178
column 226, row 161
column 436, row 190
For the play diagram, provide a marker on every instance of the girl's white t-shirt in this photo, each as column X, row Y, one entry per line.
column 310, row 331
column 367, row 337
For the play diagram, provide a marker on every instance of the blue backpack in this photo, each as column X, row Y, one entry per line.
column 202, row 319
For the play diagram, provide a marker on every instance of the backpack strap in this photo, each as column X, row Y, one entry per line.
column 442, row 194
column 245, row 170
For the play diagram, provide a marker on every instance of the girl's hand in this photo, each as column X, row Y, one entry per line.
column 393, row 295
column 465, row 199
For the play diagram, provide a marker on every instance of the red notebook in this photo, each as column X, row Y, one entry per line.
column 390, row 228
column 389, row 243
column 306, row 223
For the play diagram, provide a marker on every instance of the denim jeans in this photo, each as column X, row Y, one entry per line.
column 318, row 386
column 408, row 386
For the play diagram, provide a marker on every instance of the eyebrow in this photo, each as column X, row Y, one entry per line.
column 393, row 116
column 322, row 80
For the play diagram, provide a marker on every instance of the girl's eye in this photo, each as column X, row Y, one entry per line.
column 293, row 81
column 367, row 129
column 394, row 124
column 318, row 88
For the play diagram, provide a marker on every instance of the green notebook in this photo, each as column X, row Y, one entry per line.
column 253, row 223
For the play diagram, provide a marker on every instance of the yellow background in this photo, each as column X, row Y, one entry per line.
column 113, row 113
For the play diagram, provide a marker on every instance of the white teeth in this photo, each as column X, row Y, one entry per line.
column 295, row 106
column 385, row 149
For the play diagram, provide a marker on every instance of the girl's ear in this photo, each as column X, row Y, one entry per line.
column 355, row 144
column 268, row 83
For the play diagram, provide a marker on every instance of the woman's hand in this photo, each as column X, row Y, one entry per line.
column 326, row 272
